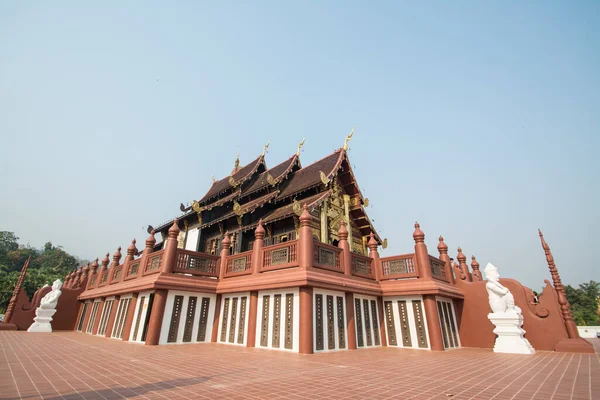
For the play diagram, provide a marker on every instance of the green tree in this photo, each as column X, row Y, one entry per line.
column 584, row 303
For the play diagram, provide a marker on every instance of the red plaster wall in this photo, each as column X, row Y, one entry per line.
column 542, row 322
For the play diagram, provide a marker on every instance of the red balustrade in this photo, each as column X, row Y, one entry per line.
column 154, row 262
column 280, row 256
column 362, row 266
column 197, row 264
column 438, row 270
column 327, row 257
column 238, row 264
column 399, row 267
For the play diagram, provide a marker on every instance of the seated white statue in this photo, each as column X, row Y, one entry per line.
column 50, row 300
column 501, row 299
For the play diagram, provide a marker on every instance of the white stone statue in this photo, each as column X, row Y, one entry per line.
column 46, row 310
column 506, row 316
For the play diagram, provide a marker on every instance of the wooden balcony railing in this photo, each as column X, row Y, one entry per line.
column 280, row 256
column 197, row 264
column 362, row 266
column 438, row 270
column 238, row 264
column 399, row 267
column 327, row 257
column 153, row 262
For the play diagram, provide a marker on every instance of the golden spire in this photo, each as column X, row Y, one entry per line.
column 237, row 161
column 348, row 139
column 213, row 179
column 300, row 146
column 266, row 147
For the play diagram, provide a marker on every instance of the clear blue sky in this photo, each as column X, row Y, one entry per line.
column 478, row 119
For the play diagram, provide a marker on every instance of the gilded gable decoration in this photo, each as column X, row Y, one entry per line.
column 297, row 207
column 385, row 243
column 300, row 146
column 232, row 181
column 348, row 139
column 265, row 148
column 366, row 202
column 324, row 178
column 237, row 209
column 271, row 180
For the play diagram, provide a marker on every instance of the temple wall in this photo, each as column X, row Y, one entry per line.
column 542, row 322
column 366, row 321
column 329, row 321
column 188, row 318
column 278, row 319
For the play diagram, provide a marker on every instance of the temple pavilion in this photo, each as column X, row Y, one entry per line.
column 282, row 258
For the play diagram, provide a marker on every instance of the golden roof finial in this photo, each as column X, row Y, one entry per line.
column 213, row 179
column 300, row 146
column 348, row 139
column 237, row 161
column 266, row 147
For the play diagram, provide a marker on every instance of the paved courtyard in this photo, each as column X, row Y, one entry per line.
column 69, row 365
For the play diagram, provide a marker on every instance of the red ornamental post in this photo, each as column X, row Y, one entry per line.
column 170, row 255
column 305, row 245
column 462, row 264
column 374, row 254
column 421, row 253
column 443, row 250
column 259, row 242
column 345, row 246
column 476, row 271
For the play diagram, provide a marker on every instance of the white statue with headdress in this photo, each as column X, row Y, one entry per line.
column 506, row 316
column 47, row 309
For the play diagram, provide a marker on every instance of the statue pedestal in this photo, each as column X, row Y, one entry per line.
column 510, row 334
column 42, row 320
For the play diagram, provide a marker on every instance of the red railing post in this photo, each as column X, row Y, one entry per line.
column 421, row 255
column 305, row 242
column 224, row 254
column 150, row 242
column 443, row 250
column 259, row 242
column 170, row 255
column 345, row 246
column 374, row 254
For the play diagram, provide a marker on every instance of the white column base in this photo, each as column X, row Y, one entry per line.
column 510, row 334
column 42, row 320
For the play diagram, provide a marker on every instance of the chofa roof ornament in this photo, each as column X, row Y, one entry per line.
column 348, row 139
column 300, row 146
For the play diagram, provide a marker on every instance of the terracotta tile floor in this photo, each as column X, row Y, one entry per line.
column 69, row 365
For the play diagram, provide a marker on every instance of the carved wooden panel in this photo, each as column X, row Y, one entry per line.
column 420, row 323
column 264, row 330
column 280, row 256
column 330, row 324
column 375, row 318
column 359, row 325
column 404, row 324
column 189, row 319
column 82, row 317
column 443, row 325
column 242, row 324
column 155, row 263
column 204, row 308
column 138, row 317
column 289, row 321
column 367, row 322
column 398, row 267
column 391, row 325
column 326, row 257
column 361, row 266
column 234, row 303
column 340, row 322
column 451, row 320
column 319, row 321
column 197, row 263
column 133, row 269
column 175, row 315
column 276, row 320
column 224, row 320
column 238, row 264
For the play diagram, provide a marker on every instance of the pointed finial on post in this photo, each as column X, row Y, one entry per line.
column 300, row 146
column 348, row 139
column 305, row 217
column 132, row 250
column 174, row 229
column 266, row 146
column 343, row 231
column 442, row 247
column 418, row 234
column 464, row 268
column 476, row 271
column 151, row 241
column 94, row 266
column 565, row 307
column 259, row 232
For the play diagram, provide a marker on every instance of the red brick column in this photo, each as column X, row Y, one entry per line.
column 215, row 329
column 113, row 315
column 252, row 310
column 129, row 317
column 433, row 322
column 98, row 317
column 306, row 319
column 350, row 324
column 156, row 317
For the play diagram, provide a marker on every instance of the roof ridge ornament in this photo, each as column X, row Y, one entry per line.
column 324, row 178
column 213, row 179
column 270, row 180
column 237, row 163
column 348, row 139
column 300, row 146
column 266, row 146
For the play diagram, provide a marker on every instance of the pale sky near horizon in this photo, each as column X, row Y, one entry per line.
column 480, row 120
